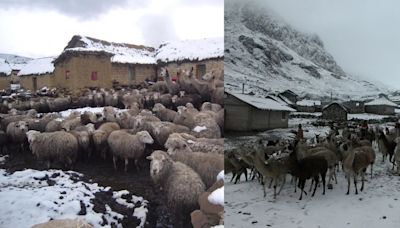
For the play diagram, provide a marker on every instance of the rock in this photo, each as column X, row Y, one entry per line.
column 64, row 223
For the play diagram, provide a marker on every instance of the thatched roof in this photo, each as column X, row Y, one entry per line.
column 119, row 52
column 176, row 51
column 38, row 67
column 191, row 50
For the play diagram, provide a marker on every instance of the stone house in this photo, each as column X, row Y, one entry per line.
column 381, row 106
column 335, row 112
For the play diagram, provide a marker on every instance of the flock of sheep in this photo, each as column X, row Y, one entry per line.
column 177, row 125
column 350, row 151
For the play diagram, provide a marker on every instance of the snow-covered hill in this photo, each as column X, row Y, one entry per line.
column 267, row 54
column 15, row 61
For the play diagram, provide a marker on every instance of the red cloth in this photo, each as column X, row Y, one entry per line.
column 300, row 134
column 173, row 78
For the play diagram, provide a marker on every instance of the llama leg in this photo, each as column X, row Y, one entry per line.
column 312, row 182
column 233, row 176
column 362, row 181
column 275, row 183
column 270, row 183
column 126, row 164
column 283, row 183
column 323, row 182
column 316, row 184
column 348, row 184
column 245, row 173
column 372, row 165
column 355, row 183
column 264, row 179
column 301, row 185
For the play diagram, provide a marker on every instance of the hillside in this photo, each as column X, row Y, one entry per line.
column 267, row 54
column 14, row 61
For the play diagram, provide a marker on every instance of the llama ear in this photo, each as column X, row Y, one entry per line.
column 149, row 158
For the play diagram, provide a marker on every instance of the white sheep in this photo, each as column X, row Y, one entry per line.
column 182, row 185
column 55, row 146
column 127, row 146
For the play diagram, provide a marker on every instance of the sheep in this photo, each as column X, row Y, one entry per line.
column 100, row 137
column 186, row 142
column 14, row 118
column 182, row 185
column 355, row 163
column 206, row 165
column 164, row 99
column 129, row 99
column 40, row 124
column 306, row 168
column 70, row 124
column 160, row 130
column 89, row 117
column 16, row 132
column 202, row 124
column 111, row 99
column 164, row 113
column 59, row 146
column 109, row 113
column 159, row 86
column 84, row 138
column 208, row 106
column 127, row 146
column 183, row 99
column 54, row 125
column 98, row 99
column 59, row 104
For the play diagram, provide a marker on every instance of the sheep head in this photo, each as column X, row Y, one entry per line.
column 158, row 107
column 159, row 162
column 23, row 126
column 145, row 137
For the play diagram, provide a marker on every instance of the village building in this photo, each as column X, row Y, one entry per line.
column 355, row 106
column 381, row 106
column 37, row 73
column 5, row 71
column 90, row 62
column 203, row 55
column 245, row 112
column 335, row 111
column 289, row 94
column 308, row 105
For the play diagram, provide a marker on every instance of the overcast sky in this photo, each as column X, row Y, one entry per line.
column 362, row 35
column 37, row 28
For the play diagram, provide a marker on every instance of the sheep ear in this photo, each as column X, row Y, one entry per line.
column 149, row 158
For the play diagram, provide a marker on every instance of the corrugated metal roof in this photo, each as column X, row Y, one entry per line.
column 381, row 101
column 261, row 103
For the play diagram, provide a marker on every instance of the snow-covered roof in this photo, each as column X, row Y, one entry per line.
column 308, row 102
column 381, row 101
column 335, row 103
column 4, row 67
column 199, row 49
column 262, row 103
column 38, row 67
column 121, row 52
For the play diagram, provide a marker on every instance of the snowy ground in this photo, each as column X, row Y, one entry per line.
column 377, row 206
column 66, row 113
column 30, row 196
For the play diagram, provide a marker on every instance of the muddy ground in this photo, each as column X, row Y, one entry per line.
column 100, row 171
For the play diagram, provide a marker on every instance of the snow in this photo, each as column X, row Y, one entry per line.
column 220, row 175
column 30, row 197
column 381, row 101
column 366, row 116
column 38, row 66
column 66, row 113
column 4, row 67
column 308, row 103
column 376, row 206
column 397, row 110
column 316, row 114
column 122, row 53
column 199, row 128
column 218, row 226
column 199, row 49
column 261, row 103
column 217, row 196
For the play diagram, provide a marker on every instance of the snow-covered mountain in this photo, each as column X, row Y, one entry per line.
column 267, row 54
column 15, row 61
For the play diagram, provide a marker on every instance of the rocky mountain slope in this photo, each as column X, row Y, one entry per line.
column 267, row 54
